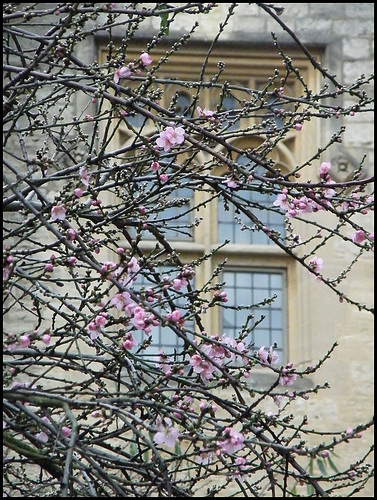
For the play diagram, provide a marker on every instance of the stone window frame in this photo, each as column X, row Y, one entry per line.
column 254, row 66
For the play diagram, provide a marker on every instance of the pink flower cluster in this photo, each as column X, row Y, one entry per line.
column 357, row 201
column 126, row 71
column 221, row 296
column 219, row 353
column 94, row 327
column 297, row 206
column 269, row 357
column 287, row 377
column 241, row 467
column 324, row 170
column 205, row 456
column 360, row 235
column 141, row 319
column 128, row 342
column 170, row 137
column 316, row 264
column 234, row 442
column 179, row 283
column 176, row 317
column 182, row 278
column 124, row 274
column 307, row 204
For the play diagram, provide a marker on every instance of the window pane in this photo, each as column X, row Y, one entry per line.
column 248, row 288
column 229, row 228
column 172, row 215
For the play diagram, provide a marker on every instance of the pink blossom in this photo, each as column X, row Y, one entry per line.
column 205, row 456
column 146, row 59
column 142, row 321
column 123, row 72
column 24, row 341
column 176, row 316
column 66, row 431
column 196, row 361
column 49, row 268
column 46, row 339
column 282, row 201
column 178, row 283
column 94, row 327
column 108, row 266
column 71, row 234
column 133, row 266
column 233, row 443
column 231, row 183
column 358, row 236
column 78, row 192
column 324, row 169
column 163, row 177
column 129, row 342
column 42, row 437
column 155, row 166
column 329, row 192
column 203, row 368
column 222, row 296
column 101, row 319
column 6, row 272
column 85, row 176
column 207, row 113
column 170, row 137
column 72, row 261
column 58, row 212
column 278, row 400
column 303, row 205
column 287, row 377
column 167, row 434
column 316, row 264
column 139, row 318
column 163, row 362
column 298, row 127
column 237, row 346
column 240, row 462
column 121, row 300
column 269, row 357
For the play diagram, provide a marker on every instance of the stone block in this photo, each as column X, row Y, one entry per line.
column 354, row 26
column 356, row 48
column 353, row 70
column 359, row 10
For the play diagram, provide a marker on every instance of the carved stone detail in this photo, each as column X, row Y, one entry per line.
column 343, row 167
